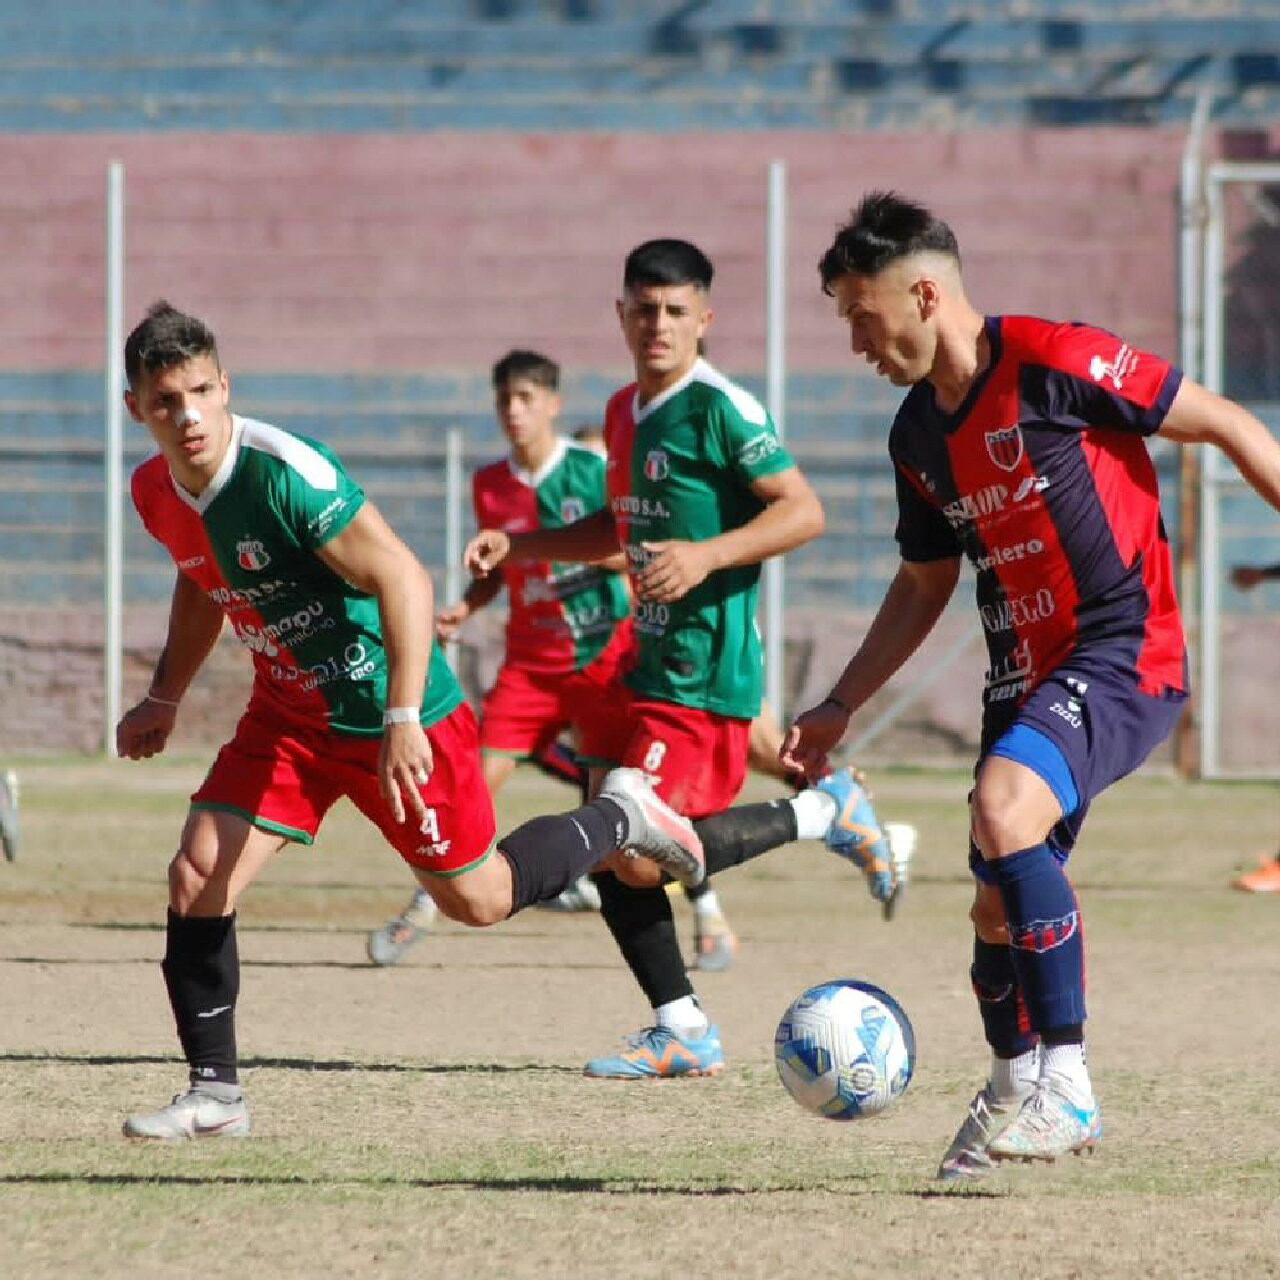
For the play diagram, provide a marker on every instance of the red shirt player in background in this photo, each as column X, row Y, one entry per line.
column 1020, row 444
column 566, row 634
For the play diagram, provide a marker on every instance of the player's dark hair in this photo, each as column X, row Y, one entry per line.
column 667, row 262
column 532, row 366
column 165, row 339
column 883, row 228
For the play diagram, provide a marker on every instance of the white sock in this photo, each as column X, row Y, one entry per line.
column 422, row 910
column 707, row 904
column 1065, row 1066
column 682, row 1016
column 815, row 812
column 1013, row 1078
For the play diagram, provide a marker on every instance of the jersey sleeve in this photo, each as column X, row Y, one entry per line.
column 317, row 499
column 1079, row 375
column 749, row 439
column 923, row 532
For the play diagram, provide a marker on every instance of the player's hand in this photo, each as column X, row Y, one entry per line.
column 404, row 766
column 1246, row 576
column 144, row 730
column 672, row 570
column 485, row 552
column 813, row 735
column 449, row 619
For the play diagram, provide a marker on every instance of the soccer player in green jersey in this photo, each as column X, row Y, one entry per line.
column 350, row 697
column 701, row 491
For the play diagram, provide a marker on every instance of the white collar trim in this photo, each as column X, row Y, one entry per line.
column 219, row 482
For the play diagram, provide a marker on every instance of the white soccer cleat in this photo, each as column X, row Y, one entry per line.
column 967, row 1159
column 194, row 1114
column 581, row 895
column 654, row 829
column 390, row 944
column 1049, row 1125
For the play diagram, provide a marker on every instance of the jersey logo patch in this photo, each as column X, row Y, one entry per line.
column 1116, row 370
column 656, row 465
column 1005, row 447
column 252, row 555
column 572, row 510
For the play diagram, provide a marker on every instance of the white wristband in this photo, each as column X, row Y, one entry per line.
column 164, row 702
column 401, row 715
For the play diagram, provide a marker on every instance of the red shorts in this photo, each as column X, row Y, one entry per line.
column 696, row 760
column 526, row 710
column 285, row 778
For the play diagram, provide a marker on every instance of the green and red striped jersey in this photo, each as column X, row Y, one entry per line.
column 562, row 615
column 249, row 541
column 681, row 467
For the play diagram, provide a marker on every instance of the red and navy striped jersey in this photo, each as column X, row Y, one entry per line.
column 1042, row 478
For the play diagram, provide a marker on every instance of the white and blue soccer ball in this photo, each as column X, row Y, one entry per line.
column 845, row 1049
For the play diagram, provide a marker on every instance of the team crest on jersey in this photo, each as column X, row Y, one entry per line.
column 656, row 466
column 252, row 555
column 1005, row 447
column 572, row 509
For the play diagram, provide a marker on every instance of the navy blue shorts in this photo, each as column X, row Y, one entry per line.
column 1084, row 727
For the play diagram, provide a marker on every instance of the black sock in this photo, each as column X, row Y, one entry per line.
column 1004, row 1013
column 644, row 929
column 202, row 973
column 744, row 832
column 548, row 854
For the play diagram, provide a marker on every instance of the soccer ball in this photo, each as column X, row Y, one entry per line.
column 845, row 1049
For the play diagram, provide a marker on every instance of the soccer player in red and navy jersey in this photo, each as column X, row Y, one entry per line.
column 350, row 698
column 1020, row 445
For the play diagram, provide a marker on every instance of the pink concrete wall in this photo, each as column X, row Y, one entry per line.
column 376, row 253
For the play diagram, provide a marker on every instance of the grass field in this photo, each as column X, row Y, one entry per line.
column 432, row 1120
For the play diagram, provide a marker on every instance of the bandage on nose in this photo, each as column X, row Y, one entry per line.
column 189, row 417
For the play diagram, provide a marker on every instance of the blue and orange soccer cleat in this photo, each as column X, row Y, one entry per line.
column 856, row 834
column 656, row 1053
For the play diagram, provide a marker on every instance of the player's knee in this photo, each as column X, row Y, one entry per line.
column 189, row 876
column 1001, row 825
column 987, row 914
column 476, row 909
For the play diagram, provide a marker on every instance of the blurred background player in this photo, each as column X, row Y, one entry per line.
column 1266, row 878
column 562, row 617
column 350, row 697
column 1088, row 664
column 701, row 491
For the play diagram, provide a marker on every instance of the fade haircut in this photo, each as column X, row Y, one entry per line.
column 532, row 366
column 883, row 228
column 667, row 262
column 165, row 339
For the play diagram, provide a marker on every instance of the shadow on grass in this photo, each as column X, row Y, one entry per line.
column 300, row 1064
column 566, row 1185
column 453, row 965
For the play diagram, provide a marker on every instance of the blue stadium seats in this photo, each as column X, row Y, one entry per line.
column 475, row 64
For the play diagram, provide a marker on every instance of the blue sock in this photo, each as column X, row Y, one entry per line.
column 1004, row 1013
column 1046, row 942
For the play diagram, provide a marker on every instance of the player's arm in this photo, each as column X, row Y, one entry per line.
column 368, row 554
column 195, row 623
column 791, row 516
column 593, row 538
column 1199, row 416
column 480, row 592
column 910, row 610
